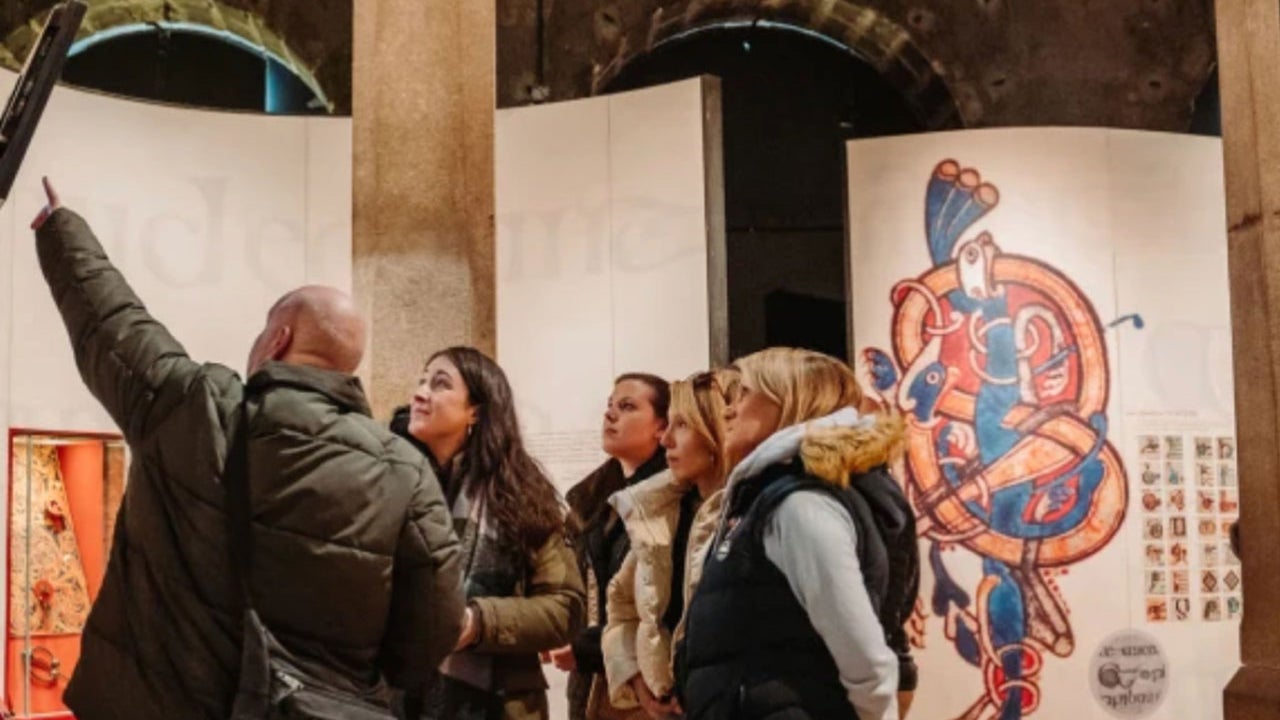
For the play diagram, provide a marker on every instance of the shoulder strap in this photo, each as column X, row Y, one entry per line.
column 235, row 481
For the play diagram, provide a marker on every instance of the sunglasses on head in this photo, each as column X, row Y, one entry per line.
column 702, row 380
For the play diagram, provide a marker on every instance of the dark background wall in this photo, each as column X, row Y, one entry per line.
column 980, row 63
column 311, row 38
column 799, row 78
column 1120, row 63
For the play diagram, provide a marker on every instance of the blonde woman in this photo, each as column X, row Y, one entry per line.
column 670, row 519
column 787, row 620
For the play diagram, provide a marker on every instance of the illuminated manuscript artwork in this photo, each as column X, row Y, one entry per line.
column 57, row 600
column 999, row 366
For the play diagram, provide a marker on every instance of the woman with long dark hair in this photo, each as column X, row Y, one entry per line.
column 523, row 588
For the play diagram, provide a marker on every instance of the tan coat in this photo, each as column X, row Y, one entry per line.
column 545, row 614
column 635, row 640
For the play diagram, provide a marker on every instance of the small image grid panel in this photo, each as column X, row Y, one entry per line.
column 1189, row 496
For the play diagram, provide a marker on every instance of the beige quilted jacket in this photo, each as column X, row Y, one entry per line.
column 635, row 641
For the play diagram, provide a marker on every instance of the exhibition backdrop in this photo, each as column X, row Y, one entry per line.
column 608, row 216
column 1049, row 310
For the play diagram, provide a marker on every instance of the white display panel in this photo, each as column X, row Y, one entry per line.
column 1067, row 381
column 606, row 220
column 602, row 256
column 210, row 216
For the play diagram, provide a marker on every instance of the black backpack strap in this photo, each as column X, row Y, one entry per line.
column 235, row 483
column 895, row 525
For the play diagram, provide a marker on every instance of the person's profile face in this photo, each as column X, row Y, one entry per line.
column 749, row 419
column 631, row 427
column 689, row 456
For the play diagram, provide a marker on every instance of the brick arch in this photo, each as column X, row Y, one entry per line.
column 866, row 32
column 303, row 44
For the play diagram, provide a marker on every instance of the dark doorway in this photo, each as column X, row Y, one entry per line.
column 189, row 66
column 1206, row 116
column 796, row 320
column 790, row 99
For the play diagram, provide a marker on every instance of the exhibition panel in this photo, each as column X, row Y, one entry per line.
column 1056, row 333
column 604, row 239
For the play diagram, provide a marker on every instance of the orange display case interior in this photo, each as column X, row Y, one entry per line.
column 79, row 481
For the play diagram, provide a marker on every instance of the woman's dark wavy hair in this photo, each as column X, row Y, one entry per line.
column 522, row 505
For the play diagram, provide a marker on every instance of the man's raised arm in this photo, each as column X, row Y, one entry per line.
column 129, row 361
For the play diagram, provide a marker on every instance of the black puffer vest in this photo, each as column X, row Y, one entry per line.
column 750, row 652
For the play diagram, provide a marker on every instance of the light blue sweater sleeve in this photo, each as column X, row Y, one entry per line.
column 813, row 541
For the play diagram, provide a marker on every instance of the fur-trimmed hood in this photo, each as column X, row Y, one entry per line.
column 832, row 448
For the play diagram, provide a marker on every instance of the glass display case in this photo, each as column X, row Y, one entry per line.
column 64, row 494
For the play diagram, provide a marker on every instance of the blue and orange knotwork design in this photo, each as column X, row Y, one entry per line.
column 999, row 365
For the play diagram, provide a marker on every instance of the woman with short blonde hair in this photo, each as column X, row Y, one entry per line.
column 787, row 618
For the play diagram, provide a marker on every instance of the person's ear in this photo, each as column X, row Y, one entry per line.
column 281, row 340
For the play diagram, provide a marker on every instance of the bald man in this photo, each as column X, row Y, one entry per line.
column 353, row 566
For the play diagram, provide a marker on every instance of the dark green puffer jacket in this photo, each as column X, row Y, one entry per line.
column 355, row 565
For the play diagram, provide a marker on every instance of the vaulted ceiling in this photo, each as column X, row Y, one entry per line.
column 1124, row 63
column 975, row 63
column 312, row 37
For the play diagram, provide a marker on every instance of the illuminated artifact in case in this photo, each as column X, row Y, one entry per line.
column 999, row 366
column 64, row 494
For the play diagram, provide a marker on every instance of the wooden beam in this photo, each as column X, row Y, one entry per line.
column 1249, row 56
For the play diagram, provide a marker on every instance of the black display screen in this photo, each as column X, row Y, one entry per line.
column 27, row 101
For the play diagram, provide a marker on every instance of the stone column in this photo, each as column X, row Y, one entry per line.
column 1248, row 55
column 423, row 110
